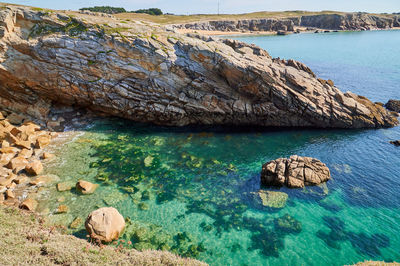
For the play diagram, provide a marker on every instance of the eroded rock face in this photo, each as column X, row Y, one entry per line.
column 295, row 172
column 349, row 21
column 105, row 224
column 147, row 74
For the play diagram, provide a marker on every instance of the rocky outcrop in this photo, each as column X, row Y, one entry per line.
column 148, row 74
column 347, row 21
column 393, row 105
column 350, row 21
column 241, row 25
column 105, row 224
column 295, row 172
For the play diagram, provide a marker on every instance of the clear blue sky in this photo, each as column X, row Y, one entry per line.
column 226, row 6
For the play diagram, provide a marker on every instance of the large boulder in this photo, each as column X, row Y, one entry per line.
column 105, row 224
column 295, row 172
column 393, row 105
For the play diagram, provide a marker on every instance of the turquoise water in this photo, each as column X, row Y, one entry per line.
column 194, row 191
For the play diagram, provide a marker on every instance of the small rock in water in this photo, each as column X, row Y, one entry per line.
column 47, row 155
column 76, row 223
column 29, row 204
column 395, row 143
column 393, row 105
column 86, row 187
column 295, row 172
column 62, row 209
column 65, row 186
column 105, row 224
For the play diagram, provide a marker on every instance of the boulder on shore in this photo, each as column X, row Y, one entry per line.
column 295, row 172
column 105, row 224
column 393, row 105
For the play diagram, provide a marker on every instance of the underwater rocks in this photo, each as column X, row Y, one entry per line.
column 148, row 74
column 295, row 172
column 273, row 199
column 86, row 187
column 288, row 224
column 393, row 105
column 105, row 224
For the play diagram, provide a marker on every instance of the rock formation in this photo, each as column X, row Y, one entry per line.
column 348, row 21
column 105, row 224
column 393, row 105
column 295, row 172
column 149, row 74
column 395, row 143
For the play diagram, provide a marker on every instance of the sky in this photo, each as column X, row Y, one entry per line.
column 186, row 7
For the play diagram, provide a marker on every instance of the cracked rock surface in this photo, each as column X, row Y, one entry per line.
column 148, row 73
column 295, row 172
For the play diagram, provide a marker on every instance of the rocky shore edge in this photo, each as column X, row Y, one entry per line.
column 320, row 23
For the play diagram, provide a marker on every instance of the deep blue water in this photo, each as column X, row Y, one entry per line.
column 196, row 191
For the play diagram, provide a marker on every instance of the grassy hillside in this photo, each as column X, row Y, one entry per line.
column 27, row 239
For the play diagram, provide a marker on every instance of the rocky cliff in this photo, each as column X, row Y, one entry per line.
column 146, row 73
column 350, row 21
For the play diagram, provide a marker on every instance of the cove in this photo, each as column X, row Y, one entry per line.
column 194, row 191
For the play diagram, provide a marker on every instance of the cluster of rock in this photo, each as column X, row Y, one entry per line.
column 349, row 21
column 22, row 143
column 148, row 74
column 295, row 172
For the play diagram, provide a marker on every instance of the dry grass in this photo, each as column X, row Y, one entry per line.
column 180, row 19
column 27, row 240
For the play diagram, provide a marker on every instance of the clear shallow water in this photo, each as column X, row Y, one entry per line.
column 194, row 191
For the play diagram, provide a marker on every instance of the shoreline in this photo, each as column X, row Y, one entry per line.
column 217, row 33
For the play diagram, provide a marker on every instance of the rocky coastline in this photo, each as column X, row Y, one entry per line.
column 330, row 22
column 147, row 73
column 151, row 74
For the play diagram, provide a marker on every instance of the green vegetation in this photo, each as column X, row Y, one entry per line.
column 117, row 10
column 105, row 9
column 180, row 19
column 27, row 239
column 72, row 28
column 150, row 11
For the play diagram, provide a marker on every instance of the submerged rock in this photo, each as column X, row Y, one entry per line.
column 105, row 224
column 170, row 79
column 393, row 105
column 288, row 224
column 273, row 199
column 294, row 172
